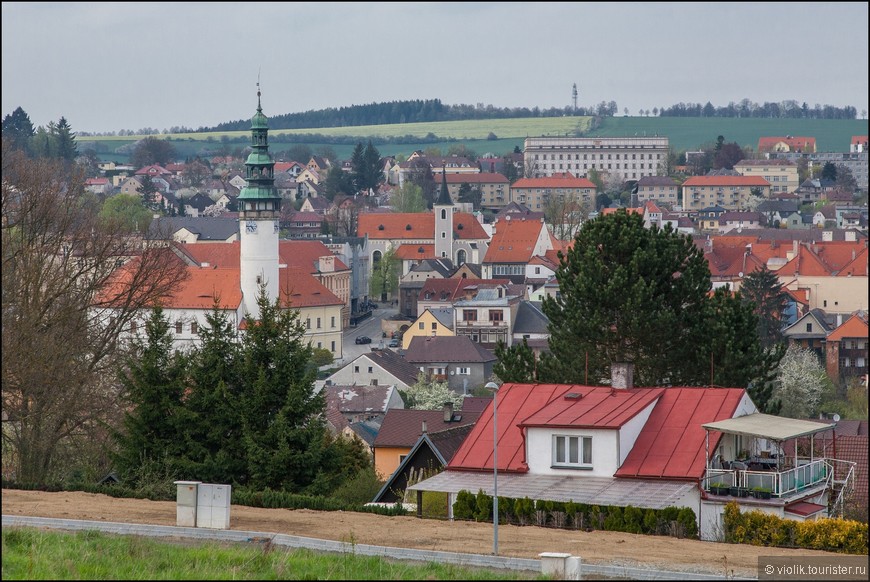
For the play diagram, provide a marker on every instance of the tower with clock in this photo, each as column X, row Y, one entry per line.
column 259, row 211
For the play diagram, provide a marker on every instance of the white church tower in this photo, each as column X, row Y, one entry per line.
column 443, row 208
column 259, row 210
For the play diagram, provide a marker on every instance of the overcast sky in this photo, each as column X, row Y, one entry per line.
column 112, row 66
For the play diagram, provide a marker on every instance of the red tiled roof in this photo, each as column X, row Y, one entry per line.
column 298, row 254
column 395, row 225
column 857, row 267
column 801, row 143
column 563, row 181
column 301, row 216
column 514, row 241
column 726, row 181
column 596, row 407
column 402, row 427
column 854, row 448
column 454, row 287
column 204, row 286
column 671, row 444
column 410, row 252
column 299, row 289
column 859, row 139
column 854, row 327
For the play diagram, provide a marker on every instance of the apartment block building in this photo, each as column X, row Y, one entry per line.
column 535, row 192
column 494, row 188
column 658, row 189
column 782, row 174
column 729, row 192
column 856, row 162
column 630, row 158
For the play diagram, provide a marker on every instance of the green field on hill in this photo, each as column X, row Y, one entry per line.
column 684, row 133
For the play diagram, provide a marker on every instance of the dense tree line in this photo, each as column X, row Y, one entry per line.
column 413, row 111
column 789, row 109
column 56, row 141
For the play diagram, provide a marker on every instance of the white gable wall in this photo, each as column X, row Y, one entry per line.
column 629, row 431
column 539, row 451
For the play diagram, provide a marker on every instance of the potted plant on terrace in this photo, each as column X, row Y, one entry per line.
column 761, row 492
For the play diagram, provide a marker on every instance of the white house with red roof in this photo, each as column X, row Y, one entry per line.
column 514, row 243
column 649, row 448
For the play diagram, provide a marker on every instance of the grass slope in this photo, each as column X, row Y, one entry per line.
column 684, row 133
column 30, row 554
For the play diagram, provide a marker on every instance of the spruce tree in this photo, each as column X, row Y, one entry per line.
column 213, row 445
column 18, row 128
column 372, row 167
column 763, row 290
column 153, row 383
column 66, row 141
column 358, row 170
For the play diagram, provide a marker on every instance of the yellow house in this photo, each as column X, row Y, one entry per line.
column 431, row 323
column 402, row 427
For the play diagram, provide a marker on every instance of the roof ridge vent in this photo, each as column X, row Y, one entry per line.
column 573, row 396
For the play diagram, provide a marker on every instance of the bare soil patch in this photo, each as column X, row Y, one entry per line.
column 410, row 532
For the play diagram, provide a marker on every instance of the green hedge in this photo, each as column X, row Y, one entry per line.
column 673, row 521
column 764, row 529
column 240, row 496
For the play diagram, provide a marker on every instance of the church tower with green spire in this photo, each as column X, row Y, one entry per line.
column 259, row 211
column 443, row 208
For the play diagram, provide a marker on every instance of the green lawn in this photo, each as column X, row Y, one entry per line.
column 31, row 554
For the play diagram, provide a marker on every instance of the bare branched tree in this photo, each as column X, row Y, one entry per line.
column 71, row 286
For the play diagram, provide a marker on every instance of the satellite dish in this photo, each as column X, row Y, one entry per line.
column 836, row 417
column 740, row 274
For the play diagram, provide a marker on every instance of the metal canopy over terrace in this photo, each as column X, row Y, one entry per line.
column 774, row 428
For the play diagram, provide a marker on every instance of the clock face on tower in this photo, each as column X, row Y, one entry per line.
column 251, row 226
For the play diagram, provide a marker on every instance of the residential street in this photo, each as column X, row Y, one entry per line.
column 371, row 327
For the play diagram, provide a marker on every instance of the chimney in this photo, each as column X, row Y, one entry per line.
column 423, row 428
column 622, row 375
column 448, row 411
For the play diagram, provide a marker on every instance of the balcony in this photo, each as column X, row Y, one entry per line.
column 477, row 324
column 778, row 483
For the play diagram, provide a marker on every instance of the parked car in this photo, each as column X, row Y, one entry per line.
column 394, row 343
column 373, row 305
column 363, row 339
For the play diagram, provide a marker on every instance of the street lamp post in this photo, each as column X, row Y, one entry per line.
column 494, row 387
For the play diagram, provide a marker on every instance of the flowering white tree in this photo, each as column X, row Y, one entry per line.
column 430, row 394
column 801, row 382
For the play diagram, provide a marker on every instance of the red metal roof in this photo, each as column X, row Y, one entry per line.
column 515, row 403
column 596, row 407
column 671, row 444
column 804, row 508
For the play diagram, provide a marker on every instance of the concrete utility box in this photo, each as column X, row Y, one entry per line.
column 213, row 506
column 560, row 566
column 186, row 500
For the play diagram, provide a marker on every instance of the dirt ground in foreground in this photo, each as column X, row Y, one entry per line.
column 409, row 532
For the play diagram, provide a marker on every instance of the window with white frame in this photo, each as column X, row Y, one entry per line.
column 463, row 371
column 572, row 451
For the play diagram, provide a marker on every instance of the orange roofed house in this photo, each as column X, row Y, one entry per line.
column 649, row 448
column 788, row 143
column 304, row 275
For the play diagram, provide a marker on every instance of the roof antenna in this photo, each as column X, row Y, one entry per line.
column 258, row 88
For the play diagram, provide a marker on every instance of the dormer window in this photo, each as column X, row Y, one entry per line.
column 574, row 452
column 407, row 227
